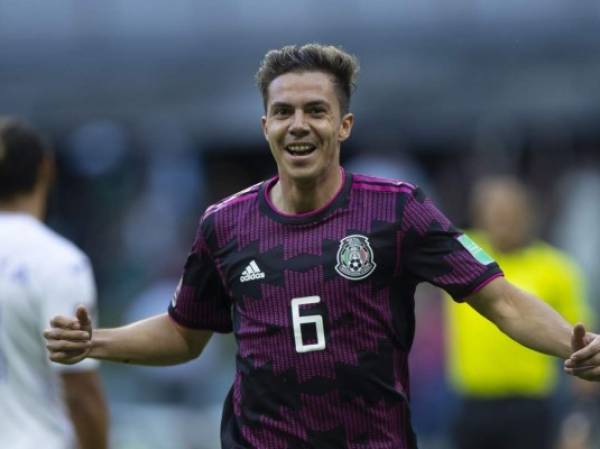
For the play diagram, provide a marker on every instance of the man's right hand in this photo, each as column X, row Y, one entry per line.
column 69, row 340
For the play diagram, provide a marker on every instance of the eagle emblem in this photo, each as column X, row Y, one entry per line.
column 355, row 259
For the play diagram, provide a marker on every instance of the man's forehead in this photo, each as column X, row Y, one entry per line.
column 310, row 86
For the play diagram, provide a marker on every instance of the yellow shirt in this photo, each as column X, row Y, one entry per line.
column 482, row 361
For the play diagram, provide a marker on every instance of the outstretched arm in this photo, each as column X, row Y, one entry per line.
column 523, row 317
column 536, row 325
column 154, row 341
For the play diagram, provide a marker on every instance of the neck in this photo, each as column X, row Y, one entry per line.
column 299, row 197
column 505, row 246
column 32, row 204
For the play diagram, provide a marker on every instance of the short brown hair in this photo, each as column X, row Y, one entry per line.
column 22, row 151
column 311, row 57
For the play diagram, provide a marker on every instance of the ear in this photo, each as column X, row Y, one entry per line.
column 263, row 125
column 47, row 170
column 46, row 175
column 346, row 127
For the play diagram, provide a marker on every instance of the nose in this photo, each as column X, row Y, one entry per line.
column 299, row 127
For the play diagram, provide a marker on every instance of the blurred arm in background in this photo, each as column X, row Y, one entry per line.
column 86, row 406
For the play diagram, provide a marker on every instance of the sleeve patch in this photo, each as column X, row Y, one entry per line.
column 475, row 250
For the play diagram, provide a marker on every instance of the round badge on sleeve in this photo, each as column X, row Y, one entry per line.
column 355, row 260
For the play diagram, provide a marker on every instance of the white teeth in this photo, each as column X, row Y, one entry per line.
column 300, row 148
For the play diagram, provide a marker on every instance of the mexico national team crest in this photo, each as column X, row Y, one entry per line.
column 355, row 259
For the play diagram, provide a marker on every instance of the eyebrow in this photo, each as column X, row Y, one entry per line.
column 317, row 103
column 282, row 104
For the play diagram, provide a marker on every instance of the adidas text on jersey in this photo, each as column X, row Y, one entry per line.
column 252, row 273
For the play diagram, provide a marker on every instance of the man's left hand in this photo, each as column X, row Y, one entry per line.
column 585, row 359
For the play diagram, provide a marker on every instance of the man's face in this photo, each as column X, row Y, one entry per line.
column 504, row 214
column 304, row 126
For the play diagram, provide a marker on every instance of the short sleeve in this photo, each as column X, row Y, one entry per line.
column 200, row 300
column 68, row 284
column 433, row 250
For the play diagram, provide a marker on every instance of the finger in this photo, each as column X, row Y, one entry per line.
column 583, row 369
column 569, row 363
column 59, row 334
column 64, row 345
column 578, row 337
column 587, row 352
column 65, row 358
column 590, row 373
column 64, row 322
column 83, row 317
column 59, row 357
column 593, row 361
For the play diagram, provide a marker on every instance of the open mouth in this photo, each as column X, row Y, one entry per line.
column 300, row 149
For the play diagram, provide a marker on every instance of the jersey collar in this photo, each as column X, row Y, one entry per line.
column 340, row 200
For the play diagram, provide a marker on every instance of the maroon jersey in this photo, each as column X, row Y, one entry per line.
column 322, row 307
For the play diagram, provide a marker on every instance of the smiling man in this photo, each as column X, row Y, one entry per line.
column 314, row 271
column 304, row 126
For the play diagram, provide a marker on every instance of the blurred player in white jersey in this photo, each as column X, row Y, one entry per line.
column 42, row 404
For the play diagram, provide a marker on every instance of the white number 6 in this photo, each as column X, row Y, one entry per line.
column 298, row 321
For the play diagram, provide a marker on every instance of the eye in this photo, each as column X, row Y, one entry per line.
column 316, row 110
column 280, row 112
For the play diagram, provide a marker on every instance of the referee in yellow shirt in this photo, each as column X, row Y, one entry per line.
column 506, row 388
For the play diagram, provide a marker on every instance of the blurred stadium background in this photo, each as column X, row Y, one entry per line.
column 154, row 114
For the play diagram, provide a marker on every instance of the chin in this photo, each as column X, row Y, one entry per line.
column 302, row 174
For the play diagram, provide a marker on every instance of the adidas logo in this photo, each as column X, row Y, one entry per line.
column 251, row 273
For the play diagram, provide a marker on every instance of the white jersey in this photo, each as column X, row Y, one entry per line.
column 41, row 275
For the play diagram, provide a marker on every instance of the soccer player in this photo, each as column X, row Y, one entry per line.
column 506, row 389
column 314, row 271
column 42, row 404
